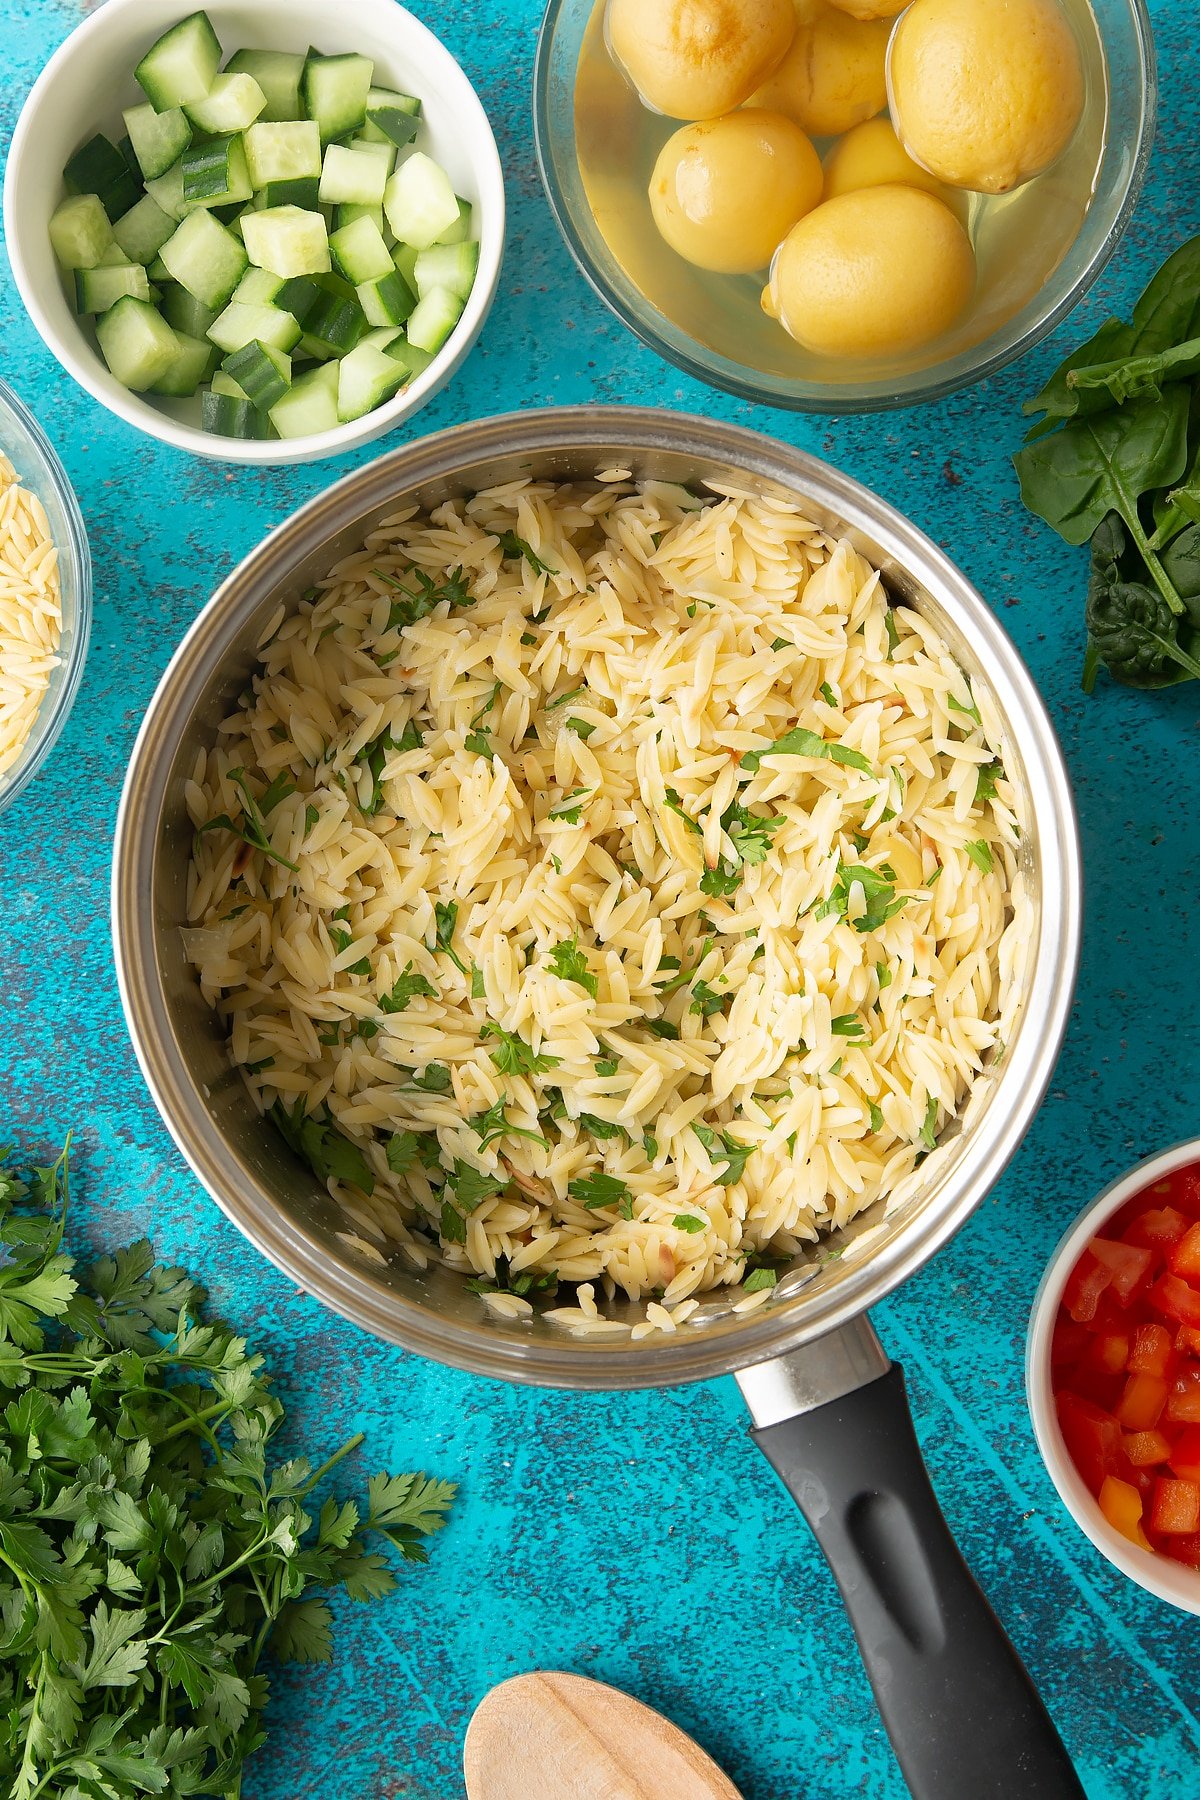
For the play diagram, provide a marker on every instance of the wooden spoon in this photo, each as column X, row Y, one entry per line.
column 547, row 1736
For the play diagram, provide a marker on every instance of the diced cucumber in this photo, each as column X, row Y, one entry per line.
column 359, row 252
column 182, row 65
column 114, row 256
column 355, row 176
column 231, row 104
column 348, row 213
column 417, row 360
column 333, row 326
column 158, row 271
column 242, row 324
column 450, row 266
column 225, row 384
column 277, row 73
column 192, row 366
column 383, row 336
column 419, row 202
column 137, row 343
column 98, row 167
column 334, row 90
column 98, row 289
column 159, row 139
column 143, row 231
column 310, row 404
column 205, row 258
column 366, row 378
column 304, row 192
column 167, row 192
column 405, row 259
column 396, row 117
column 387, row 301
column 131, row 161
column 187, row 316
column 226, row 416
column 461, row 229
column 283, row 151
column 80, row 232
column 263, row 373
column 384, row 153
column 434, row 318
column 258, row 287
column 287, row 240
column 215, row 173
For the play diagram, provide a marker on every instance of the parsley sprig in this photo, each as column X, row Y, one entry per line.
column 252, row 826
column 154, row 1547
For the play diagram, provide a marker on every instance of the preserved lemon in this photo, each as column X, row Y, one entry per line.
column 872, row 156
column 871, row 9
column 874, row 273
column 697, row 59
column 834, row 75
column 985, row 96
column 726, row 192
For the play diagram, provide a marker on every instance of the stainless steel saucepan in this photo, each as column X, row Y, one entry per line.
column 829, row 1409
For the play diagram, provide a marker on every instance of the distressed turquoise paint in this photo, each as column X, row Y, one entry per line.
column 638, row 1537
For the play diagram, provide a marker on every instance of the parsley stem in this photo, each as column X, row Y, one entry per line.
column 332, row 1462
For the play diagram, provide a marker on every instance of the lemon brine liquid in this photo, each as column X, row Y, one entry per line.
column 1019, row 239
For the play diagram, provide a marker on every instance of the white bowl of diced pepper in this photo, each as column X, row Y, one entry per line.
column 266, row 232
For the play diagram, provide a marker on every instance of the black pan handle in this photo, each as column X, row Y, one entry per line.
column 964, row 1718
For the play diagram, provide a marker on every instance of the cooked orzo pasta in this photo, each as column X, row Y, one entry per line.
column 606, row 891
column 30, row 612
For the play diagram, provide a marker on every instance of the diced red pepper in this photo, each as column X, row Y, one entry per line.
column 1184, row 1453
column 1092, row 1437
column 1068, row 1343
column 1129, row 1265
column 1145, row 1448
column 1151, row 1352
column 1186, row 1191
column 1183, row 1401
column 1184, row 1549
column 1175, row 1299
column 1140, row 1406
column 1158, row 1228
column 1187, row 1340
column 1121, row 1505
column 1107, row 1352
column 1176, row 1506
column 1185, row 1257
column 1085, row 1284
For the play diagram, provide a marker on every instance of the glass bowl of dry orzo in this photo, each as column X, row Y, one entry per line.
column 45, row 597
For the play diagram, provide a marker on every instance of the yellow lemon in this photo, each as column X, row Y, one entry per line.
column 871, row 9
column 697, row 59
column 987, row 95
column 833, row 77
column 724, row 193
column 872, row 273
column 872, row 156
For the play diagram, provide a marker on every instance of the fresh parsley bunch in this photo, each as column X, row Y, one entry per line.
column 150, row 1552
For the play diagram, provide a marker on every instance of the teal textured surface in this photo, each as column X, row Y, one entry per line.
column 640, row 1538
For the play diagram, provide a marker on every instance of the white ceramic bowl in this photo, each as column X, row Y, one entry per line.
column 1170, row 1581
column 88, row 81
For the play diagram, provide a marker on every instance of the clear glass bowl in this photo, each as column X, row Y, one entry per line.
column 39, row 470
column 1125, row 31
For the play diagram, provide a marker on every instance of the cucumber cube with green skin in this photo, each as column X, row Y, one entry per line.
column 282, row 151
column 215, row 173
column 205, row 258
column 388, row 301
column 405, row 259
column 225, row 416
column 384, row 153
column 334, row 325
column 310, row 404
column 460, row 231
column 298, row 296
column 355, row 176
column 98, row 289
column 367, row 376
column 167, row 192
column 258, row 287
column 419, row 201
column 394, row 116
column 347, row 213
column 334, row 90
column 242, row 324
column 80, row 232
column 181, row 66
column 192, row 366
column 304, row 192
column 225, row 384
column 434, row 318
column 359, row 252
column 450, row 266
column 263, row 373
column 97, row 167
column 159, row 139
column 143, row 231
column 231, row 104
column 277, row 73
column 137, row 343
column 187, row 316
column 287, row 240
column 114, row 256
